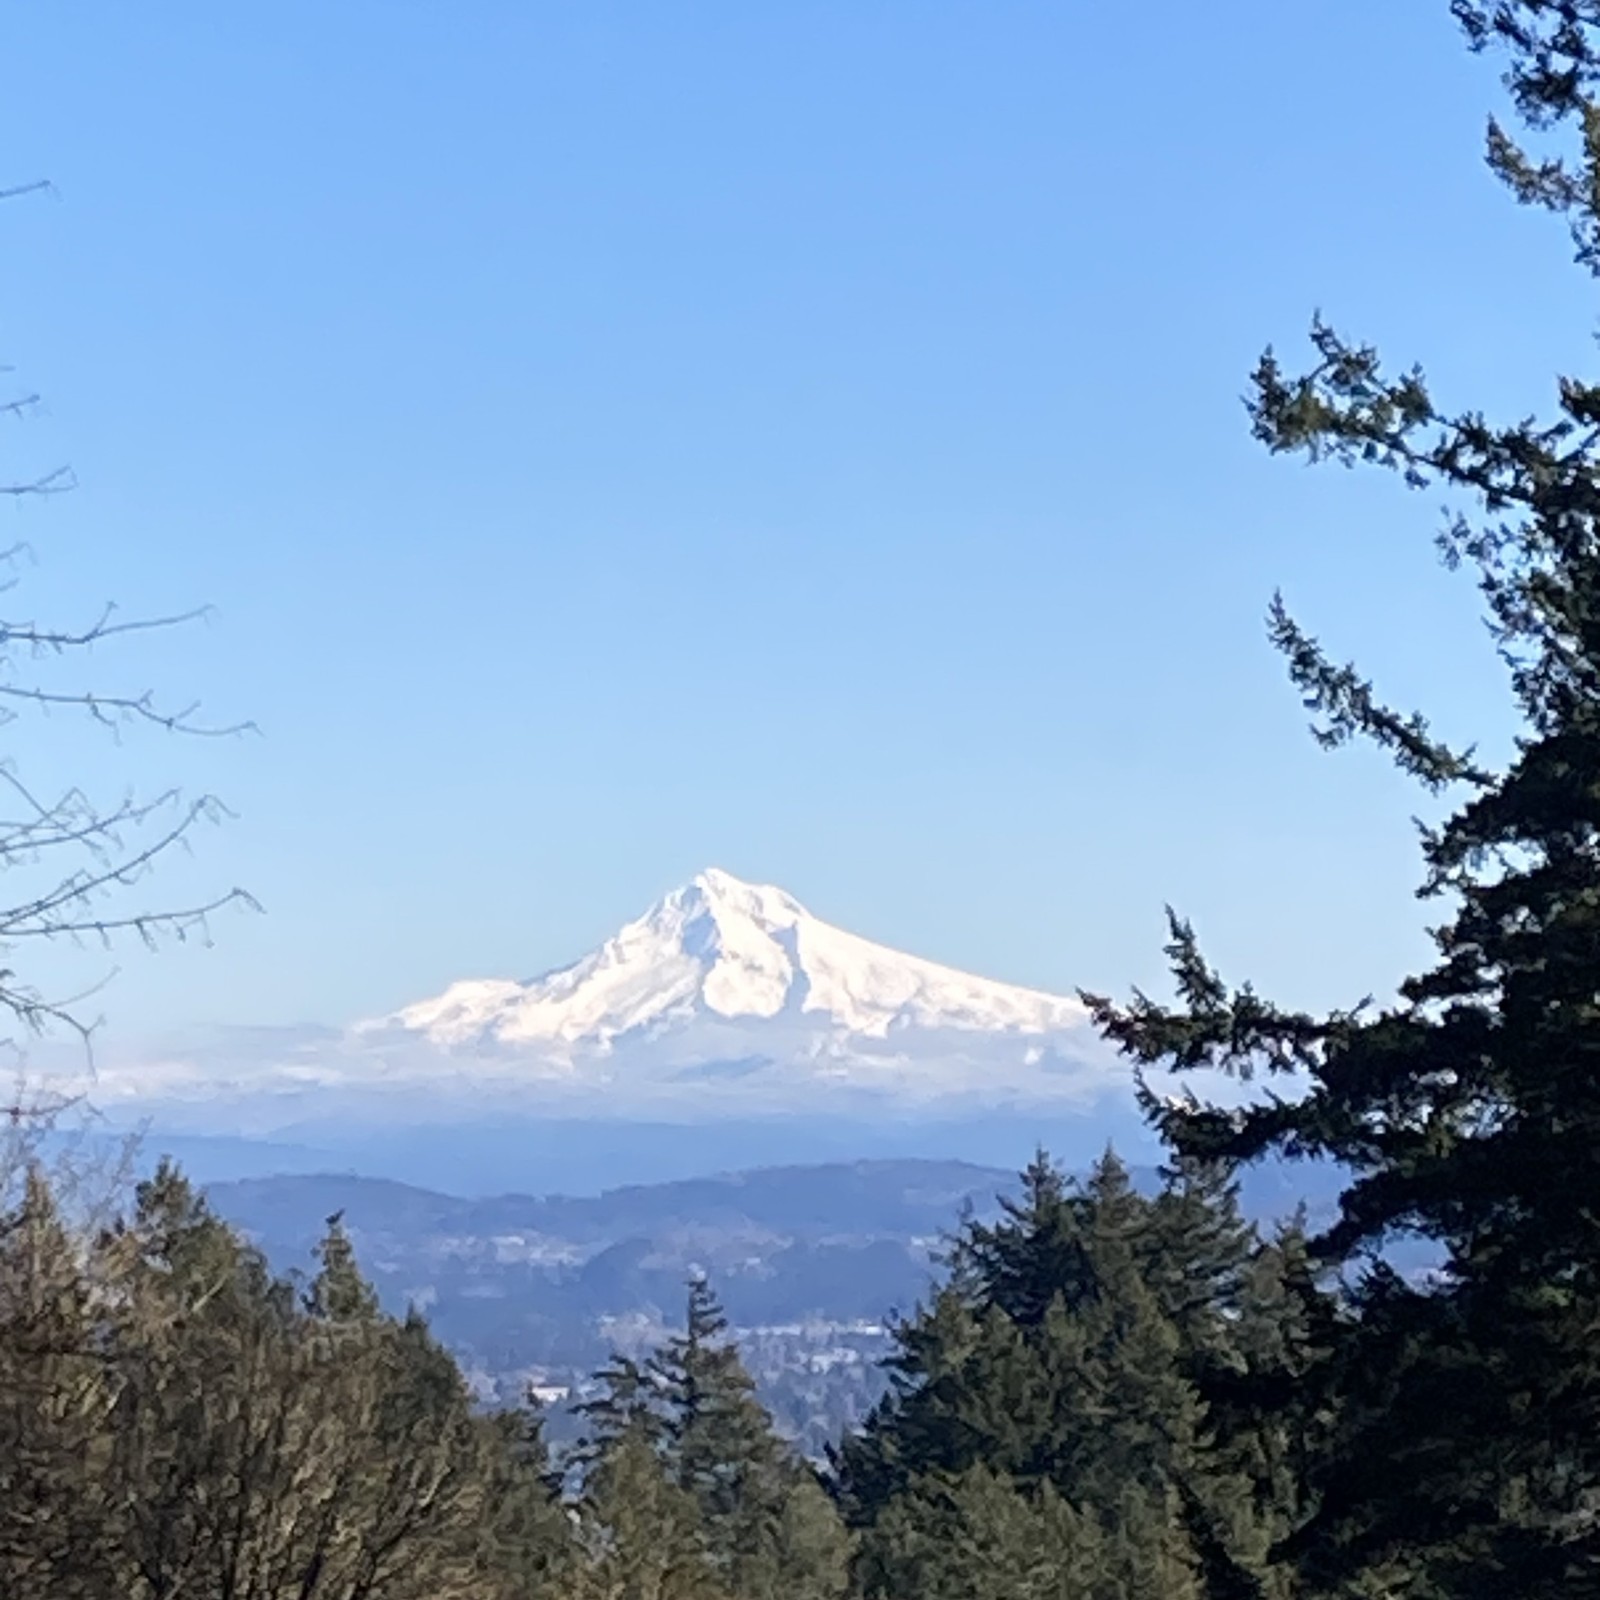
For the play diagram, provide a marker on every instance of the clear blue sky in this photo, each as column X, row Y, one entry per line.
column 618, row 439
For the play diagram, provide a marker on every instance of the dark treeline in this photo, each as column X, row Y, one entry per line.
column 1099, row 1401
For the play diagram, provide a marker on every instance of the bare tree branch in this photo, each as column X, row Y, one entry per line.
column 57, row 482
column 92, row 857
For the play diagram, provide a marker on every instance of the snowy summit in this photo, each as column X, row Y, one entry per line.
column 724, row 950
column 724, row 998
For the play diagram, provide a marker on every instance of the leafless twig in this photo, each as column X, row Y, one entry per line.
column 93, row 857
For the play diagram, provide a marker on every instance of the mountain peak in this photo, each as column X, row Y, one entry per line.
column 723, row 997
column 726, row 896
column 714, row 881
column 720, row 954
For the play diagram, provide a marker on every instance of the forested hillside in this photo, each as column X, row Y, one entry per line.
column 1090, row 1399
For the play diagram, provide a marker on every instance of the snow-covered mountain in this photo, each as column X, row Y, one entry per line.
column 725, row 998
column 723, row 950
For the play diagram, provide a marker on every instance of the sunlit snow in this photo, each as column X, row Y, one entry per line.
column 724, row 998
column 734, row 950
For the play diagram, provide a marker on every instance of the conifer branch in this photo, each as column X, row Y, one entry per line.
column 1348, row 707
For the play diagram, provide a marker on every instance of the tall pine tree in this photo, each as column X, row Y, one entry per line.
column 640, row 1531
column 1056, row 1383
column 1467, row 1460
column 771, row 1532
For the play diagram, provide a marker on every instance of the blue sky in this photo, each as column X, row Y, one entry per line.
column 618, row 439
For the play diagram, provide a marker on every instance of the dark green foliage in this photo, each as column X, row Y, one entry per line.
column 1464, row 1446
column 977, row 1536
column 720, row 1447
column 686, row 1432
column 525, row 1548
column 641, row 1534
column 627, row 1404
column 1058, row 1390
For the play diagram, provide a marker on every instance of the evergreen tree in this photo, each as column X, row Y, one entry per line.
column 978, row 1536
column 525, row 1550
column 55, row 1394
column 339, row 1292
column 913, row 1428
column 1467, row 1113
column 641, row 1534
column 415, row 1519
column 1196, row 1255
column 814, row 1549
column 1064, row 1362
column 770, row 1532
column 718, row 1438
column 1034, row 1254
column 628, row 1403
